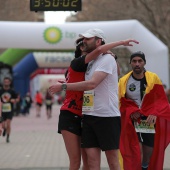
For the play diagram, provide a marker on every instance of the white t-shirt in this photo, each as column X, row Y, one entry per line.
column 133, row 90
column 106, row 93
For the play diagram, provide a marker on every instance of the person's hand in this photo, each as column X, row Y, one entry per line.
column 108, row 52
column 55, row 88
column 135, row 116
column 151, row 119
column 129, row 41
column 61, row 81
column 13, row 101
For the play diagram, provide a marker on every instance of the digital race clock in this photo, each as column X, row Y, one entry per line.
column 55, row 5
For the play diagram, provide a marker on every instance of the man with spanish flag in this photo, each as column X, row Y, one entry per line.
column 145, row 117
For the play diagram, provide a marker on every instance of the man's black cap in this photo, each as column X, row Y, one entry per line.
column 138, row 54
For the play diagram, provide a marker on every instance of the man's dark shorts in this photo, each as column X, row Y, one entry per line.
column 7, row 115
column 39, row 104
column 101, row 132
column 146, row 138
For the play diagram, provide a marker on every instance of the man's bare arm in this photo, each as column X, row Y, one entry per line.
column 104, row 48
column 96, row 79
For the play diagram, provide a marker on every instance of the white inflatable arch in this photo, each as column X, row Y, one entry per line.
column 41, row 36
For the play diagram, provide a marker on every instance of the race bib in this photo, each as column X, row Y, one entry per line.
column 48, row 102
column 6, row 107
column 144, row 127
column 88, row 101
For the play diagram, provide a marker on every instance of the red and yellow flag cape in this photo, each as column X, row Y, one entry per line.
column 154, row 102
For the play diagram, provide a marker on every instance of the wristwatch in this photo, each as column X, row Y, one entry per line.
column 64, row 86
column 1, row 119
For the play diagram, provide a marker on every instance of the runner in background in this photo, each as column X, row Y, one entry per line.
column 39, row 103
column 8, row 98
column 49, row 100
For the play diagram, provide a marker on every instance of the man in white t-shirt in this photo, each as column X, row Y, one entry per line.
column 105, row 94
column 101, row 123
column 101, row 120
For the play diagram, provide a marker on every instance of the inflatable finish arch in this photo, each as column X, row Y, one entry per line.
column 23, row 70
column 25, row 37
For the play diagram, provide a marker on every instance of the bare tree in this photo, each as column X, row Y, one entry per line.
column 154, row 14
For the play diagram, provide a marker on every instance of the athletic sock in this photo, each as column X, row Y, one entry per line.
column 144, row 168
column 7, row 138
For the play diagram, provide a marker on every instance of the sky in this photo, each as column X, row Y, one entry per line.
column 52, row 17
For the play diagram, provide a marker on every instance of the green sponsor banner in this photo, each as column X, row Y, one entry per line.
column 13, row 56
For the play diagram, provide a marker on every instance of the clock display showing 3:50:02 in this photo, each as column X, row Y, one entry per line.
column 55, row 5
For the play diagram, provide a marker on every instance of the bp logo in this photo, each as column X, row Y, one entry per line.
column 52, row 35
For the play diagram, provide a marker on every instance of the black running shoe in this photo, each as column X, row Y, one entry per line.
column 4, row 132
